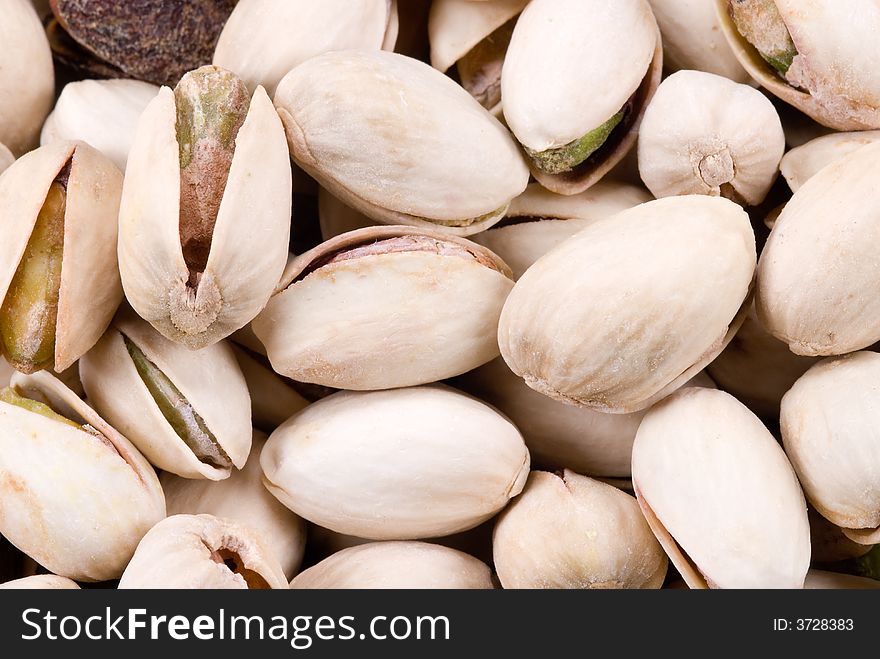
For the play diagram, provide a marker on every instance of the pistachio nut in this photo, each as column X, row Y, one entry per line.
column 273, row 399
column 828, row 542
column 821, row 579
column 757, row 368
column 337, row 319
column 76, row 496
column 409, row 170
column 816, row 275
column 243, row 499
column 40, row 582
column 202, row 551
column 103, row 113
column 59, row 282
column 6, row 157
column 569, row 531
column 264, row 39
column 828, row 421
column 469, row 40
column 187, row 411
column 204, row 224
column 336, row 218
column 692, row 39
column 704, row 134
column 157, row 41
column 430, row 462
column 575, row 103
column 811, row 54
column 801, row 163
column 629, row 309
column 539, row 220
column 27, row 78
column 719, row 494
column 397, row 565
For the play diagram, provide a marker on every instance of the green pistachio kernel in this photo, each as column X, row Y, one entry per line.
column 12, row 397
column 759, row 23
column 178, row 411
column 30, row 309
column 566, row 158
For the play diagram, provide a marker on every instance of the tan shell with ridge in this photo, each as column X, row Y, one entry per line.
column 76, row 502
column 410, row 171
column 629, row 309
column 385, row 307
column 430, row 462
column 90, row 289
column 397, row 565
column 719, row 494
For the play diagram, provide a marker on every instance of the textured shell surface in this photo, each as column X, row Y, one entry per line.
column 720, row 494
column 634, row 305
column 803, row 162
column 397, row 565
column 431, row 462
column 40, row 582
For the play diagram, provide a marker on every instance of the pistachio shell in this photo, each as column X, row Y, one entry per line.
column 209, row 380
column 342, row 325
column 829, row 425
column 243, row 499
column 6, row 157
column 456, row 26
column 820, row 579
column 539, row 220
column 273, row 400
column 397, row 565
column 248, row 246
column 757, row 368
column 27, row 79
column 626, row 311
column 692, row 39
column 264, row 39
column 425, row 182
column 202, row 551
column 719, row 494
column 559, row 86
column 801, row 163
column 816, row 276
column 337, row 218
column 430, row 462
column 704, row 134
column 835, row 77
column 570, row 531
column 75, row 502
column 41, row 582
column 90, row 290
column 103, row 113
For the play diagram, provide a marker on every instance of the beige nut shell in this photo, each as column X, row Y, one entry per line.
column 803, row 162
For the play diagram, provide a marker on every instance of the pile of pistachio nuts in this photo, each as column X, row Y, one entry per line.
column 439, row 294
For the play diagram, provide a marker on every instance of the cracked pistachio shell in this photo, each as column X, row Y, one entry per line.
column 558, row 86
column 273, row 399
column 209, row 381
column 6, row 157
column 392, row 148
column 40, row 582
column 336, row 218
column 692, row 39
column 27, row 79
column 539, row 220
column 342, row 324
column 390, row 565
column 801, row 163
column 629, row 309
column 248, row 242
column 202, row 551
column 264, row 39
column 561, row 436
column 757, row 368
column 830, row 426
column 430, row 462
column 103, row 113
column 835, row 75
column 569, row 531
column 704, row 134
column 243, row 498
column 719, row 494
column 817, row 275
column 76, row 502
column 90, row 289
column 820, row 579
